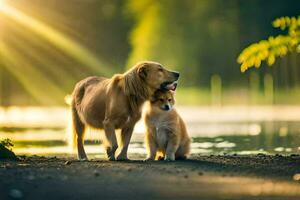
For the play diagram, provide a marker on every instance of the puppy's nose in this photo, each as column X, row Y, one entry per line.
column 176, row 74
column 167, row 107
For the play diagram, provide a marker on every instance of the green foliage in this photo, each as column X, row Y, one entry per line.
column 7, row 143
column 279, row 46
column 185, row 36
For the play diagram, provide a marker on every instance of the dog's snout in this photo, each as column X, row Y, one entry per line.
column 176, row 74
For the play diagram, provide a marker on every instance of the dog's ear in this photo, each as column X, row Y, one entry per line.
column 142, row 71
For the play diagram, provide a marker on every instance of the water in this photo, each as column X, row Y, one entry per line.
column 240, row 130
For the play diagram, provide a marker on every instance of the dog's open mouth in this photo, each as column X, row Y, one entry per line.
column 169, row 86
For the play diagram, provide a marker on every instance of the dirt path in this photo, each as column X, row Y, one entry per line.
column 202, row 177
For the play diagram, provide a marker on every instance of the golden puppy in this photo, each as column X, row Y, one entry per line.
column 115, row 103
column 166, row 131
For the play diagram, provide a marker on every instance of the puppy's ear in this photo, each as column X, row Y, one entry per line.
column 153, row 99
column 173, row 93
column 142, row 71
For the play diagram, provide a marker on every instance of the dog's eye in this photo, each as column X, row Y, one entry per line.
column 169, row 100
column 160, row 69
column 161, row 100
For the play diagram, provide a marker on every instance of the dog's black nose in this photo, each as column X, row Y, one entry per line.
column 167, row 107
column 176, row 74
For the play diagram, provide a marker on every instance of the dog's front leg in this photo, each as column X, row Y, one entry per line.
column 111, row 144
column 126, row 134
column 172, row 147
column 150, row 144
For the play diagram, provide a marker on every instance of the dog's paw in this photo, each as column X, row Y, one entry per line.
column 83, row 159
column 111, row 158
column 123, row 159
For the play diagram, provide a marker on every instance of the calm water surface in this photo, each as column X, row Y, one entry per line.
column 234, row 130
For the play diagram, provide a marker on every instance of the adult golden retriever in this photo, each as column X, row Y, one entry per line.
column 115, row 103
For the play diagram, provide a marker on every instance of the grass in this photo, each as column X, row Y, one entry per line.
column 7, row 143
column 5, row 150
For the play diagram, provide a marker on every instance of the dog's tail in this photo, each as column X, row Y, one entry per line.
column 71, row 140
column 76, row 127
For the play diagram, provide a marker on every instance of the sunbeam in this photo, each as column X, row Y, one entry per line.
column 58, row 39
column 2, row 3
column 43, row 63
column 25, row 73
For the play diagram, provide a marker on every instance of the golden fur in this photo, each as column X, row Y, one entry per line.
column 166, row 132
column 115, row 103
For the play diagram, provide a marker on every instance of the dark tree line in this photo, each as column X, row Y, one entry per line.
column 197, row 38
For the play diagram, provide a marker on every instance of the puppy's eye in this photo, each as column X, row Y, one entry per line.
column 160, row 69
column 169, row 100
column 161, row 100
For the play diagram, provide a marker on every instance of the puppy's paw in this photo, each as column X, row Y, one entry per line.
column 160, row 158
column 170, row 158
column 181, row 158
column 149, row 159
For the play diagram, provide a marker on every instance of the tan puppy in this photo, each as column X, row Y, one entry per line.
column 166, row 131
column 115, row 103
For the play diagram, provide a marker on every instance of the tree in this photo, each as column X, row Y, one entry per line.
column 268, row 50
column 186, row 36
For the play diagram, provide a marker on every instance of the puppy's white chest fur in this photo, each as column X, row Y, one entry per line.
column 162, row 129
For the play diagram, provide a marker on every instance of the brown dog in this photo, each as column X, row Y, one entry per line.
column 166, row 131
column 115, row 103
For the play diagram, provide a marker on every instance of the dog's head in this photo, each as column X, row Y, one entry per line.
column 164, row 100
column 156, row 76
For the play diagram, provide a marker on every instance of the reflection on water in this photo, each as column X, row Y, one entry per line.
column 43, row 131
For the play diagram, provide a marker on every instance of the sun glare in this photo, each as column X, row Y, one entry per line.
column 55, row 37
column 2, row 4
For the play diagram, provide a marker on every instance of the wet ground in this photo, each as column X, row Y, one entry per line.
column 201, row 177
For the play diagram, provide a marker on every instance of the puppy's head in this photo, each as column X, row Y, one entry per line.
column 156, row 76
column 164, row 100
